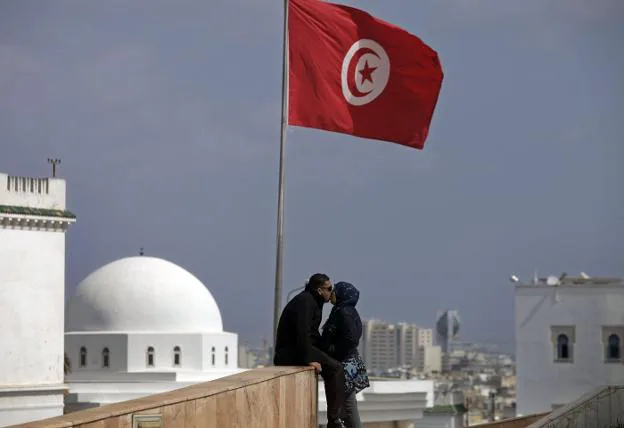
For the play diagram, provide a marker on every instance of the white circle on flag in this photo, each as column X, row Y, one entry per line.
column 365, row 72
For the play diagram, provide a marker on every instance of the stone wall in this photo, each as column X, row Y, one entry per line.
column 280, row 397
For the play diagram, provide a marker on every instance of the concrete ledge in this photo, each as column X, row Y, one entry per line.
column 21, row 389
column 270, row 396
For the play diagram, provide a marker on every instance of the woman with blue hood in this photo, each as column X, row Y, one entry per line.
column 341, row 336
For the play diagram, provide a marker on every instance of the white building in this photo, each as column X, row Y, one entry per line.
column 404, row 404
column 33, row 221
column 398, row 403
column 432, row 359
column 569, row 338
column 142, row 325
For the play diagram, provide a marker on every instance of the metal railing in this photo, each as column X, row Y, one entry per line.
column 601, row 408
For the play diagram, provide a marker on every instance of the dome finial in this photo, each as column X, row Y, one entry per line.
column 141, row 251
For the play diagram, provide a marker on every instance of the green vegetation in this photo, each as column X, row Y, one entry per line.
column 42, row 212
column 457, row 408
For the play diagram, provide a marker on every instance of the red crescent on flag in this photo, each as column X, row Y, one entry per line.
column 351, row 71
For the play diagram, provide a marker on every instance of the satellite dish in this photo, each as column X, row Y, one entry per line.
column 585, row 276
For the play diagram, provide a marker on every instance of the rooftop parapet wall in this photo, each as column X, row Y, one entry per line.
column 280, row 397
column 32, row 192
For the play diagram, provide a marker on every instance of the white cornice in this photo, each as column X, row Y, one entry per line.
column 34, row 222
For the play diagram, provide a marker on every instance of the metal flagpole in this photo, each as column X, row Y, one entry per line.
column 280, row 192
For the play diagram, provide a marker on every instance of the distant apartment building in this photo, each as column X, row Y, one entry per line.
column 385, row 346
column 379, row 345
column 246, row 358
column 432, row 357
column 408, row 345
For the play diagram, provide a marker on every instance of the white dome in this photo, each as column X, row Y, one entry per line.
column 142, row 294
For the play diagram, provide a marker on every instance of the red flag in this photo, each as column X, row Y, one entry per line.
column 355, row 74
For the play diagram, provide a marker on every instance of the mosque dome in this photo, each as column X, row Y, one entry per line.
column 142, row 294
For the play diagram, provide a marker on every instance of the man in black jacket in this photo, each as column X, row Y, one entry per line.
column 298, row 340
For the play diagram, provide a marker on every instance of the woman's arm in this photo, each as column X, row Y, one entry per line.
column 347, row 330
column 346, row 338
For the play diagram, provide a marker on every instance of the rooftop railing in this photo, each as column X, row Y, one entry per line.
column 601, row 408
column 518, row 422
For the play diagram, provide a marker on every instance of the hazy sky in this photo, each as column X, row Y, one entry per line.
column 166, row 117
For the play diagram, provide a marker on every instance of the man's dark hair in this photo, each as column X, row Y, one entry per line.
column 317, row 281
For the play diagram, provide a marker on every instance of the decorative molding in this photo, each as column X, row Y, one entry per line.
column 30, row 223
column 608, row 330
column 26, row 218
column 570, row 333
column 568, row 330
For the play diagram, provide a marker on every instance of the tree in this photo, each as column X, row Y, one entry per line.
column 67, row 365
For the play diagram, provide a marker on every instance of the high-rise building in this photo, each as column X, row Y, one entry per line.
column 385, row 346
column 408, row 345
column 425, row 337
column 379, row 345
column 447, row 327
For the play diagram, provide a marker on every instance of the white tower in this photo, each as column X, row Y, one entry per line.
column 33, row 221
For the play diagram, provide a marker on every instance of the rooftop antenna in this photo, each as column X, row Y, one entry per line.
column 54, row 162
column 141, row 251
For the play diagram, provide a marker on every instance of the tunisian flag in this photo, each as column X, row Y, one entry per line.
column 355, row 74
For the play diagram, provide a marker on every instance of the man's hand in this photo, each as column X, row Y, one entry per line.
column 317, row 366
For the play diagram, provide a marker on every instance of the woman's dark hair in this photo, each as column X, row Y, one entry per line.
column 317, row 281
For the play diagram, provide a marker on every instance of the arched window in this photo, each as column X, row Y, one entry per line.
column 563, row 347
column 214, row 357
column 105, row 358
column 83, row 357
column 613, row 347
column 176, row 356
column 227, row 357
column 150, row 357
